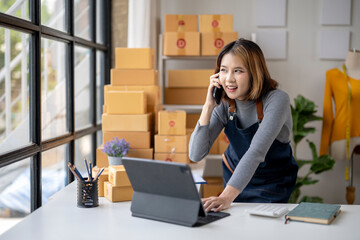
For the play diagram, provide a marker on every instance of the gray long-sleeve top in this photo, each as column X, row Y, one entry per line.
column 276, row 124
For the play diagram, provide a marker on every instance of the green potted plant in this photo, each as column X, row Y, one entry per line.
column 304, row 112
column 116, row 149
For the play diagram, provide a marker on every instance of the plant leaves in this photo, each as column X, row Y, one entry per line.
column 311, row 199
column 323, row 163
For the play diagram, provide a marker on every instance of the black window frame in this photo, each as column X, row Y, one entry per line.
column 36, row 31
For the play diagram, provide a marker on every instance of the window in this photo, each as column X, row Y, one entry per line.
column 54, row 61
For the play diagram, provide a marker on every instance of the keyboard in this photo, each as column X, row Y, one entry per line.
column 210, row 217
column 268, row 210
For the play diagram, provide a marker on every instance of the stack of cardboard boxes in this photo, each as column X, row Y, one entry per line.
column 118, row 188
column 131, row 102
column 216, row 32
column 172, row 140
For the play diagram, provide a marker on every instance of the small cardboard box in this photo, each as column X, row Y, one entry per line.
column 170, row 143
column 118, row 176
column 192, row 119
column 181, row 23
column 213, row 42
column 189, row 78
column 214, row 186
column 223, row 142
column 216, row 23
column 123, row 77
column 125, row 102
column 134, row 58
column 101, row 158
column 117, row 194
column 136, row 139
column 185, row 96
column 102, row 178
column 127, row 122
column 172, row 123
column 173, row 157
column 181, row 44
column 153, row 93
column 147, row 153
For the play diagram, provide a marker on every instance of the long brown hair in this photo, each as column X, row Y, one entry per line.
column 254, row 61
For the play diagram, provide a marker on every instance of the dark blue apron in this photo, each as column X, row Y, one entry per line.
column 274, row 179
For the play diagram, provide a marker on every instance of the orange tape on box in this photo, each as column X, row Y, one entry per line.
column 181, row 44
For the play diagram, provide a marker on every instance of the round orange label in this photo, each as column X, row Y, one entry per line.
column 168, row 160
column 215, row 24
column 172, row 123
column 219, row 43
column 181, row 43
column 181, row 23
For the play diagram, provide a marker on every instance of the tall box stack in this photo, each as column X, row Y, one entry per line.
column 216, row 31
column 131, row 102
column 172, row 140
column 181, row 37
column 118, row 188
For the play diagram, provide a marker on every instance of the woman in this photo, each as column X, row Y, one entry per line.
column 258, row 165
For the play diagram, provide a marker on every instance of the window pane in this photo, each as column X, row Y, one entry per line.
column 15, row 8
column 53, row 175
column 82, row 84
column 82, row 18
column 99, row 22
column 83, row 151
column 53, row 14
column 53, row 88
column 14, row 89
column 100, row 75
column 14, row 193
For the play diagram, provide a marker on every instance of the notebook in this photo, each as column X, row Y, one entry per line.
column 314, row 213
column 165, row 191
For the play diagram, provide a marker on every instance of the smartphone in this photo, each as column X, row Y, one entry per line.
column 217, row 94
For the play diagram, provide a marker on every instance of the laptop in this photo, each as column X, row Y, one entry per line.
column 165, row 191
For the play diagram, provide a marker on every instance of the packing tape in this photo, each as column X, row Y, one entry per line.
column 181, row 44
column 181, row 23
column 215, row 23
column 218, row 42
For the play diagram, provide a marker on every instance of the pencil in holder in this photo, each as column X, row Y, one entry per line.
column 87, row 194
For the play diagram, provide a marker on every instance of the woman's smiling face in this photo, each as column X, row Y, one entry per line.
column 234, row 77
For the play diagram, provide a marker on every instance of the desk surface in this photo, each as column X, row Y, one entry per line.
column 61, row 219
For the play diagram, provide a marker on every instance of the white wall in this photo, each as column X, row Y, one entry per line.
column 301, row 73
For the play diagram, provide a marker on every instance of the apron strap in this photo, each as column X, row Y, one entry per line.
column 227, row 164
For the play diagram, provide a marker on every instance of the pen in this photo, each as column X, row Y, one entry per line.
column 78, row 178
column 77, row 172
column 99, row 174
column 88, row 171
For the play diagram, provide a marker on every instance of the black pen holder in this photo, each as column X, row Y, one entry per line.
column 87, row 194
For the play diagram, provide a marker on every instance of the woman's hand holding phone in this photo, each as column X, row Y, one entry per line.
column 215, row 91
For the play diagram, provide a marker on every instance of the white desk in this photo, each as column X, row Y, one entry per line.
column 61, row 219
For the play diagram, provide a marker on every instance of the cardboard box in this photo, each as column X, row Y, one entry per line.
column 173, row 157
column 125, row 102
column 136, row 139
column 118, row 176
column 118, row 194
column 214, row 186
column 172, row 123
column 192, row 119
column 216, row 23
column 157, row 108
column 189, row 78
column 153, row 93
column 101, row 158
column 121, row 77
column 185, row 96
column 147, row 153
column 181, row 23
column 134, row 58
column 181, row 44
column 223, row 142
column 127, row 122
column 213, row 42
column 170, row 143
column 102, row 178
